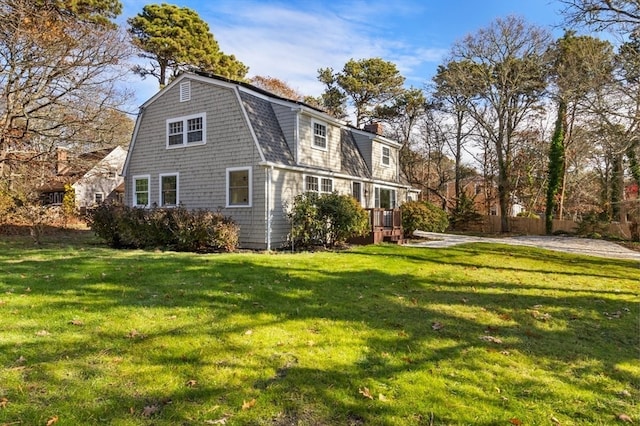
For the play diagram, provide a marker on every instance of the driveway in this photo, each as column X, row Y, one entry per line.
column 559, row 243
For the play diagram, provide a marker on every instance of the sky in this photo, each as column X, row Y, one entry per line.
column 291, row 40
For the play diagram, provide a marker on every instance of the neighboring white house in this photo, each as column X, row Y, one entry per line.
column 95, row 177
column 101, row 182
column 212, row 143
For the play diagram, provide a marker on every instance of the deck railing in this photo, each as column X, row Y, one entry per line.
column 384, row 225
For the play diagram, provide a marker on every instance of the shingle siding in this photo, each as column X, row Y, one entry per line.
column 244, row 128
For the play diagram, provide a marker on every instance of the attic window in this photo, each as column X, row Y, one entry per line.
column 185, row 91
column 186, row 131
column 386, row 156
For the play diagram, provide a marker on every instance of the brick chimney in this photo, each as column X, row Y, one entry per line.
column 62, row 161
column 374, row 128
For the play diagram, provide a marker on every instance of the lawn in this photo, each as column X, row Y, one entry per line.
column 479, row 334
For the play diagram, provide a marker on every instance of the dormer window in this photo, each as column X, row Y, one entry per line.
column 386, row 156
column 319, row 135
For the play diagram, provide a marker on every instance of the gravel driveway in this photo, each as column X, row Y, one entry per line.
column 559, row 243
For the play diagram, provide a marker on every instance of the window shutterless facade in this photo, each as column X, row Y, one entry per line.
column 386, row 156
column 311, row 184
column 356, row 191
column 239, row 187
column 169, row 190
column 385, row 198
column 319, row 135
column 319, row 185
column 186, row 131
column 141, row 191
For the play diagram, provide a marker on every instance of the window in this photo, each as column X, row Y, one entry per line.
column 319, row 135
column 311, row 184
column 169, row 190
column 185, row 131
column 185, row 91
column 239, row 187
column 356, row 191
column 111, row 174
column 386, row 156
column 140, row 191
column 385, row 198
column 315, row 184
column 98, row 197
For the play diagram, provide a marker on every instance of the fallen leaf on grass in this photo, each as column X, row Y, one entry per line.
column 515, row 421
column 555, row 421
column 625, row 418
column 150, row 410
column 43, row 333
column 221, row 421
column 365, row 392
column 76, row 322
column 491, row 339
column 246, row 405
column 437, row 326
column 248, row 332
column 135, row 334
column 382, row 398
column 52, row 420
column 3, row 402
column 192, row 383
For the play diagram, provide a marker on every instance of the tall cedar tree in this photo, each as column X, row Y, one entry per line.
column 175, row 39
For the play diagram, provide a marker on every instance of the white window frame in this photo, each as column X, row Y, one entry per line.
column 134, row 200
column 385, row 160
column 326, row 135
column 359, row 198
column 160, row 200
column 185, row 130
column 377, row 197
column 322, row 185
column 95, row 196
column 250, row 189
column 319, row 182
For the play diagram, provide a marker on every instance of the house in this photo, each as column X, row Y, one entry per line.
column 207, row 142
column 94, row 176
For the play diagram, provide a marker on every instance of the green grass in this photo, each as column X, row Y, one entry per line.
column 90, row 335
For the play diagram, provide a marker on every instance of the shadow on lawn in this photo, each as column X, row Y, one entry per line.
column 392, row 316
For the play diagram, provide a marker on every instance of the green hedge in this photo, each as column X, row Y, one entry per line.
column 175, row 229
column 423, row 216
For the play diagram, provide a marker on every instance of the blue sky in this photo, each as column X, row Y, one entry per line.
column 290, row 40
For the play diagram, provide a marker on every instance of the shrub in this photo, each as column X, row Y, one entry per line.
column 593, row 225
column 327, row 219
column 423, row 216
column 178, row 229
column 465, row 216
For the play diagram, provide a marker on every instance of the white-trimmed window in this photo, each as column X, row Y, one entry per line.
column 326, row 185
column 239, row 187
column 169, row 190
column 98, row 197
column 385, row 198
column 185, row 131
column 386, row 156
column 316, row 184
column 319, row 135
column 141, row 191
column 311, row 184
column 356, row 191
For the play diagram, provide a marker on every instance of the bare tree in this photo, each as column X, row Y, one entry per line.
column 603, row 14
column 506, row 83
column 61, row 65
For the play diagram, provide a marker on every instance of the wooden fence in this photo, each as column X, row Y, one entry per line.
column 530, row 226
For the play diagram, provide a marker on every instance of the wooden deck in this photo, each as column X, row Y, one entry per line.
column 385, row 226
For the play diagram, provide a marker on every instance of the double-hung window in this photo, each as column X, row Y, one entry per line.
column 169, row 190
column 239, row 187
column 185, row 131
column 316, row 184
column 386, row 156
column 141, row 191
column 319, row 135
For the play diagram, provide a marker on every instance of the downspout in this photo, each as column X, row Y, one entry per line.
column 269, row 181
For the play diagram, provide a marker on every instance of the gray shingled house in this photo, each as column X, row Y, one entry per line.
column 208, row 142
